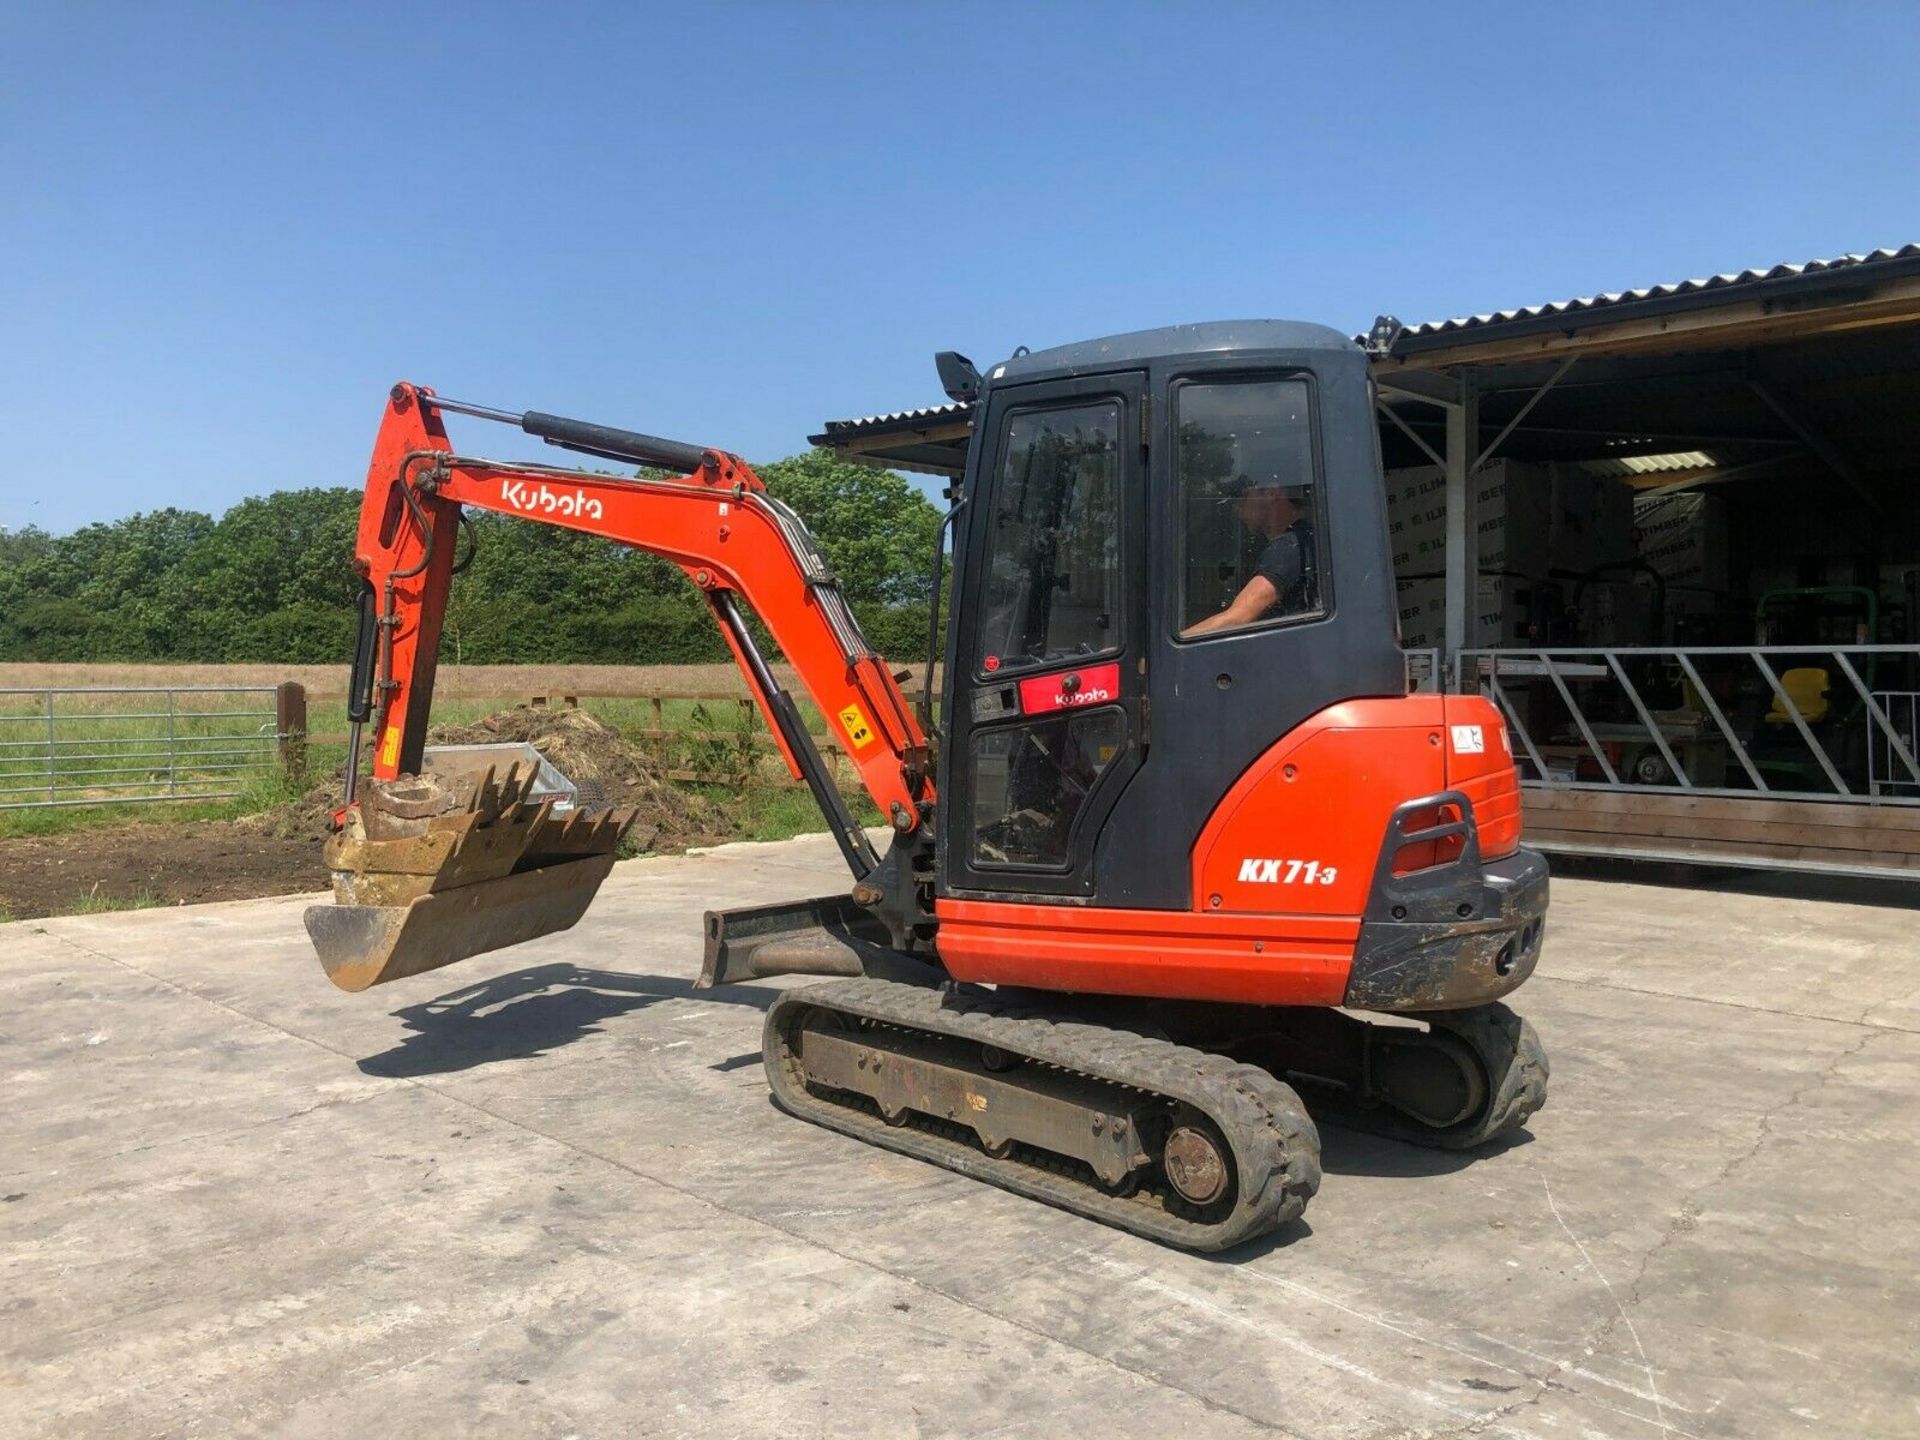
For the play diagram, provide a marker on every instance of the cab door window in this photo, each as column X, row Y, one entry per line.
column 1052, row 600
column 1053, row 559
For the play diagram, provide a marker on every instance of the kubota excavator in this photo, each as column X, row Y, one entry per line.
column 1182, row 821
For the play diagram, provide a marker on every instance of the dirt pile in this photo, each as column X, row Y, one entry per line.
column 587, row 751
column 305, row 818
column 609, row 767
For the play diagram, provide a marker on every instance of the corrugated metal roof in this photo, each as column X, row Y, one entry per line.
column 1777, row 275
column 926, row 414
column 1620, row 467
column 1809, row 275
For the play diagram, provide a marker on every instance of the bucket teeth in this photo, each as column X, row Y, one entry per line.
column 436, row 868
column 578, row 834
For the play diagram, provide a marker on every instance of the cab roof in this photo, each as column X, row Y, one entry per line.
column 1138, row 348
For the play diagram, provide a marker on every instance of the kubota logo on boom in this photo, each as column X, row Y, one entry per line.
column 540, row 500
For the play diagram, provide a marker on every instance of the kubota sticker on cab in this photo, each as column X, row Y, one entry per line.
column 1094, row 685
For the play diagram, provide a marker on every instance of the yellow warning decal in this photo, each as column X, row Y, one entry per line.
column 859, row 734
column 390, row 746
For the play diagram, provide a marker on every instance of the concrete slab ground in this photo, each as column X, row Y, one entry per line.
column 545, row 1194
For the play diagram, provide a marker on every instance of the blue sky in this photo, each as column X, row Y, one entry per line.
column 225, row 230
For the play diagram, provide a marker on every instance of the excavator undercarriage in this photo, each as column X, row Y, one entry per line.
column 1190, row 1123
column 1132, row 1129
column 1165, row 1124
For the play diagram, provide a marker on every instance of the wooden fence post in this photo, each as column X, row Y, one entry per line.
column 290, row 724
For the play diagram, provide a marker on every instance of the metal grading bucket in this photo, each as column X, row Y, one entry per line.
column 466, row 858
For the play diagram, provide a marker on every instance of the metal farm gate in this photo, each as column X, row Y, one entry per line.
column 1783, row 757
column 125, row 745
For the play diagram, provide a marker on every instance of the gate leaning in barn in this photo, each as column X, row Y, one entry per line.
column 1784, row 757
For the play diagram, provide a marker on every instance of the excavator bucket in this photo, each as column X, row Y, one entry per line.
column 452, row 863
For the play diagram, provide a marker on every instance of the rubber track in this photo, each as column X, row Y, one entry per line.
column 1276, row 1150
column 1515, row 1064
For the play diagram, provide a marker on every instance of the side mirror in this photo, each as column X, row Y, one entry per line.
column 957, row 376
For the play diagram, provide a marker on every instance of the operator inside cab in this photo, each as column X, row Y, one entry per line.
column 1284, row 580
column 1247, row 481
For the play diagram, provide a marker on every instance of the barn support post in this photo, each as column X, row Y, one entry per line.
column 1463, row 549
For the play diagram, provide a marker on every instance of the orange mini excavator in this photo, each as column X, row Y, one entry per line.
column 1182, row 820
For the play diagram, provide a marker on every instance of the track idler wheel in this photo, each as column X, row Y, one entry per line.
column 1432, row 1077
column 1475, row 1076
column 1453, row 1080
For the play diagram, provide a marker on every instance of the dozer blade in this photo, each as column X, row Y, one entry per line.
column 432, row 869
column 365, row 945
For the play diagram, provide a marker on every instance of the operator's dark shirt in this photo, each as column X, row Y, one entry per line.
column 1288, row 562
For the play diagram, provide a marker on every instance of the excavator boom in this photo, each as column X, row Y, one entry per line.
column 484, row 864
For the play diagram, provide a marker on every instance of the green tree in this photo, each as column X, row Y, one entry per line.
column 273, row 580
column 23, row 556
column 291, row 551
column 94, row 594
column 875, row 529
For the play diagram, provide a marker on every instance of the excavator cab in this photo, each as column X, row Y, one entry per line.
column 1109, row 682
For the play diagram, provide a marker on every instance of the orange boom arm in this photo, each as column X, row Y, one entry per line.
column 717, row 523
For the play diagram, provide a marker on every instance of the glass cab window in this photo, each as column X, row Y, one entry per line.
column 1031, row 782
column 1249, row 505
column 1053, row 559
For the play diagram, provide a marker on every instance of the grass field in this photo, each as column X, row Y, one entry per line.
column 62, row 747
column 268, row 791
column 263, row 837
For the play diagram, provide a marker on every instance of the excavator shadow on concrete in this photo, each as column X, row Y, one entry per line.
column 527, row 1013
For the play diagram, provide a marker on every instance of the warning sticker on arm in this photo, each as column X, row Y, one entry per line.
column 859, row 733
